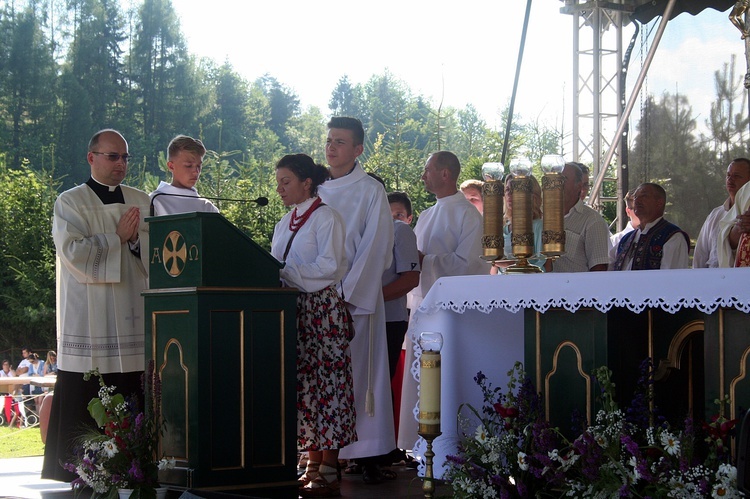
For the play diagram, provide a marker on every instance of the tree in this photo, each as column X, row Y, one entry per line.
column 283, row 104
column 92, row 81
column 308, row 134
column 27, row 79
column 228, row 126
column 471, row 131
column 346, row 100
column 165, row 78
column 728, row 122
column 27, row 253
column 667, row 152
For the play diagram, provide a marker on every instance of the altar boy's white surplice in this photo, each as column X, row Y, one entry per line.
column 100, row 321
column 362, row 203
column 449, row 234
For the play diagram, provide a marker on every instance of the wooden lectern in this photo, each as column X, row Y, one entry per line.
column 222, row 333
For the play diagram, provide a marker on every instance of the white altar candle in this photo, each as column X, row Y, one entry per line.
column 429, row 388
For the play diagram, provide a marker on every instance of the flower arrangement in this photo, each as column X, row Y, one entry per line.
column 123, row 454
column 513, row 452
column 508, row 448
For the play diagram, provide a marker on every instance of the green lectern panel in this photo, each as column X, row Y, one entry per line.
column 172, row 366
column 205, row 249
column 267, row 429
column 228, row 364
column 227, row 361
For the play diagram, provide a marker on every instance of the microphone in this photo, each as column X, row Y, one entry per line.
column 261, row 201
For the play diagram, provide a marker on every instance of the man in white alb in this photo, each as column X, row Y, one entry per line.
column 449, row 233
column 362, row 203
column 705, row 256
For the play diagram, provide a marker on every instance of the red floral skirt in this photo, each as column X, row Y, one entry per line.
column 325, row 393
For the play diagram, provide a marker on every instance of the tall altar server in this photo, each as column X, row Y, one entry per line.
column 101, row 242
column 362, row 203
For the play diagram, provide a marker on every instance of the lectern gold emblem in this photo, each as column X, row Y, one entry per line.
column 174, row 253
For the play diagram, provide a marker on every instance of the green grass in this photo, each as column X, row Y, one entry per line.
column 20, row 442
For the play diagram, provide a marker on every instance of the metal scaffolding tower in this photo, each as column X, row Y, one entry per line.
column 598, row 83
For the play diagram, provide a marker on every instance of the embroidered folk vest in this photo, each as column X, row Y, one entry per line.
column 648, row 251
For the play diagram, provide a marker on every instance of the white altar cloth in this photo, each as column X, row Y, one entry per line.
column 483, row 331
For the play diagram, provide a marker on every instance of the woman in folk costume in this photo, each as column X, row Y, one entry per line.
column 310, row 240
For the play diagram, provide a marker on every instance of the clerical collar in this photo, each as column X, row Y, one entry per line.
column 107, row 194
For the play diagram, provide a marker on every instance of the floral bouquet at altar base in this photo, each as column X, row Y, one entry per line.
column 513, row 452
column 123, row 454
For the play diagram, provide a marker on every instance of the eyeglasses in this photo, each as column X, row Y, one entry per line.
column 113, row 156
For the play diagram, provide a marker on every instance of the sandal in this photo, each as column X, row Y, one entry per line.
column 353, row 469
column 320, row 486
column 388, row 474
column 311, row 473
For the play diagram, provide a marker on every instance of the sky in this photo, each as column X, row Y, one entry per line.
column 457, row 53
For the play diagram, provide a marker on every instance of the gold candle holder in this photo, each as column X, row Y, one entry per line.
column 429, row 402
column 492, row 239
column 492, row 198
column 522, row 235
column 553, row 222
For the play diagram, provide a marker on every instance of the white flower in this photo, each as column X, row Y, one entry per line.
column 722, row 490
column 481, row 434
column 523, row 462
column 109, row 448
column 728, row 471
column 601, row 440
column 167, row 463
column 570, row 458
column 633, row 462
column 670, row 443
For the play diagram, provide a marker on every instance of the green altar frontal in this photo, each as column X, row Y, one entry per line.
column 222, row 334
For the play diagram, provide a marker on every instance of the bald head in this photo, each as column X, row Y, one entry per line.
column 441, row 173
column 738, row 174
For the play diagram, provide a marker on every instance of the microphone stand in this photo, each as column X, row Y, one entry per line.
column 261, row 201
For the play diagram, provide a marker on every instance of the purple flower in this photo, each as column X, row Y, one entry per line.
column 135, row 471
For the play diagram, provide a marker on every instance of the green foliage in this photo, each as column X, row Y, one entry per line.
column 27, row 256
column 666, row 151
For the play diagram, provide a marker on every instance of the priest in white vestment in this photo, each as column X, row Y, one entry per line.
column 732, row 226
column 102, row 262
column 362, row 203
column 706, row 251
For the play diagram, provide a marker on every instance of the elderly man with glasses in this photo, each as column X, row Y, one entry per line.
column 101, row 242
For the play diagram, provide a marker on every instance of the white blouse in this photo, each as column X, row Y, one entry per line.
column 316, row 258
